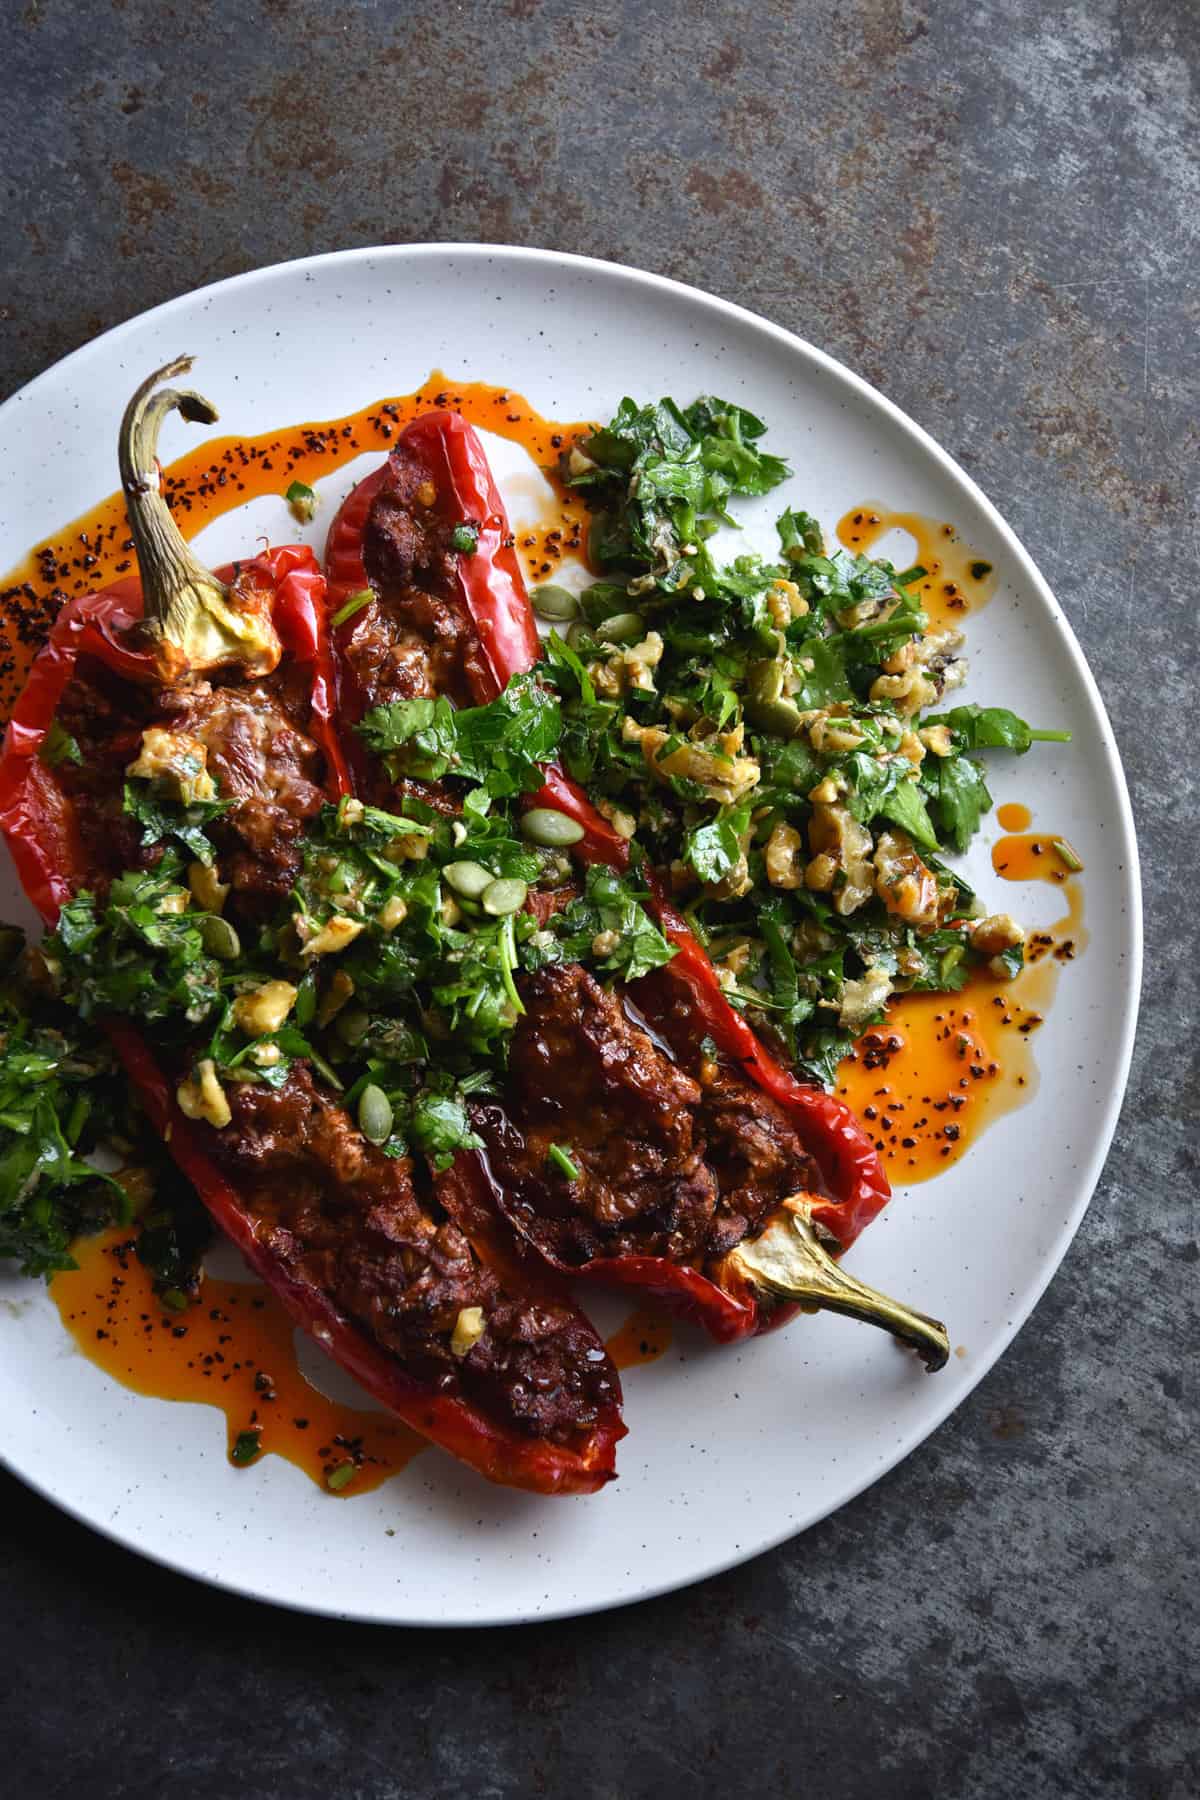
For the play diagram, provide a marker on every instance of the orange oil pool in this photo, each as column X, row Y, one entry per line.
column 930, row 1079
column 222, row 473
column 643, row 1338
column 233, row 1349
column 957, row 580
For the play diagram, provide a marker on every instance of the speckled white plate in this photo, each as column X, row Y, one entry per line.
column 730, row 1451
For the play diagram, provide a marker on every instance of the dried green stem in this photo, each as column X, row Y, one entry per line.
column 788, row 1261
column 192, row 621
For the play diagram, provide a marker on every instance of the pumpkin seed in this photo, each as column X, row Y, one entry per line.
column 352, row 1024
column 468, row 878
column 622, row 628
column 552, row 829
column 553, row 603
column 219, row 938
column 375, row 1114
column 503, row 897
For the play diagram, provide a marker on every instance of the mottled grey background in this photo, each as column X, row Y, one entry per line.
column 989, row 210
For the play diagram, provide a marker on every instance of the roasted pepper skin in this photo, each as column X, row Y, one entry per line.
column 495, row 595
column 490, row 581
column 37, row 822
column 502, row 1455
column 34, row 815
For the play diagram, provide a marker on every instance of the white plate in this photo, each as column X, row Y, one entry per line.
column 730, row 1451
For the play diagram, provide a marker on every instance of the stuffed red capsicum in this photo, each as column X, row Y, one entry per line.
column 197, row 711
column 632, row 1172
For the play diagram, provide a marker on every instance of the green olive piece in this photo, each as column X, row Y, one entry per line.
column 771, row 641
column 219, row 938
column 352, row 1024
column 468, row 879
column 557, row 605
column 503, row 897
column 779, row 717
column 375, row 1114
column 767, row 706
column 552, row 829
column 622, row 628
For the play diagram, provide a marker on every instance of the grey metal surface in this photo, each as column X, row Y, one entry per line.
column 989, row 208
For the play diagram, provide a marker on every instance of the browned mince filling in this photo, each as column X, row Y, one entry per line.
column 416, row 638
column 106, row 716
column 344, row 1217
column 261, row 756
column 258, row 753
column 668, row 1165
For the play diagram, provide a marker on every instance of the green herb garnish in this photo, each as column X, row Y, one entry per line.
column 353, row 605
column 58, row 747
column 302, row 501
column 560, row 1156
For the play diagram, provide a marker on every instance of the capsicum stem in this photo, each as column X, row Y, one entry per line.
column 191, row 622
column 787, row 1262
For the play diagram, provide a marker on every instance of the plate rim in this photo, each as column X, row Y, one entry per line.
column 1130, row 1002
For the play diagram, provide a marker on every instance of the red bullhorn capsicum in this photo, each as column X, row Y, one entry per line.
column 762, row 1282
column 186, row 622
column 489, row 579
column 181, row 622
column 493, row 1449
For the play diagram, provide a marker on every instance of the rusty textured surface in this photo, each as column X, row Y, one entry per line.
column 989, row 209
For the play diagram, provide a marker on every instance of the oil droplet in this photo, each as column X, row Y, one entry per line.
column 1032, row 856
column 957, row 580
column 1013, row 816
column 643, row 1338
column 942, row 1067
column 927, row 1080
column 233, row 1348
